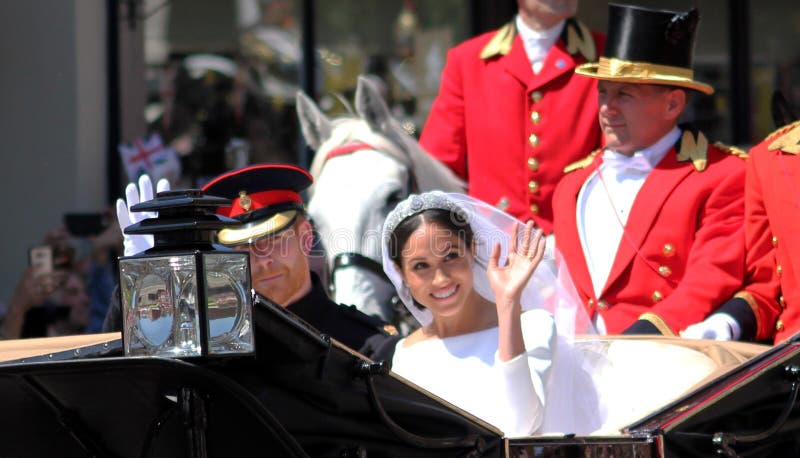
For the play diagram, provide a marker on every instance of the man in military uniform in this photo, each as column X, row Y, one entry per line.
column 266, row 198
column 510, row 114
column 651, row 227
column 768, row 307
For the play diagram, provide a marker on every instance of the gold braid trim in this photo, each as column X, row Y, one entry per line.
column 580, row 40
column 658, row 322
column 694, row 149
column 581, row 163
column 789, row 139
column 501, row 42
column 751, row 301
column 782, row 129
column 738, row 152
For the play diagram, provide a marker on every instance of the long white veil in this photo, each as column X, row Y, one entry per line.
column 571, row 401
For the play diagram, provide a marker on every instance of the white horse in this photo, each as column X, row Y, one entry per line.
column 364, row 165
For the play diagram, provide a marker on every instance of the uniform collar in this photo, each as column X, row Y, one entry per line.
column 576, row 36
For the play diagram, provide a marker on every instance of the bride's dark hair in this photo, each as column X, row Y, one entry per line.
column 453, row 221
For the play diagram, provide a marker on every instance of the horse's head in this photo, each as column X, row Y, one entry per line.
column 364, row 165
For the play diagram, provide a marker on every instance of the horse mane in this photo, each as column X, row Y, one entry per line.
column 396, row 143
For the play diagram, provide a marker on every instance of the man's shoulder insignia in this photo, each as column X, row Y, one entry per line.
column 581, row 163
column 694, row 147
column 501, row 42
column 786, row 139
column 579, row 39
column 738, row 152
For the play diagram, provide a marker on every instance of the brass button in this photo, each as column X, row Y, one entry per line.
column 536, row 117
column 534, row 209
column 782, row 301
column 533, row 164
column 664, row 271
column 657, row 296
column 775, row 241
column 591, row 303
column 536, row 96
column 779, row 270
column 533, row 140
column 602, row 305
column 533, row 187
column 668, row 250
column 779, row 325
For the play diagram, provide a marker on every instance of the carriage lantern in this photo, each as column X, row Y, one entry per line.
column 186, row 296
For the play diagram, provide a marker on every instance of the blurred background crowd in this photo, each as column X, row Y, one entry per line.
column 211, row 76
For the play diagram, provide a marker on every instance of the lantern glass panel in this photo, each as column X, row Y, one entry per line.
column 229, row 312
column 159, row 302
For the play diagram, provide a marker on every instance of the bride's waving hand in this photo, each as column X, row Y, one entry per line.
column 509, row 280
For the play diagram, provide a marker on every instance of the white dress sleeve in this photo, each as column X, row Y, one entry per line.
column 522, row 377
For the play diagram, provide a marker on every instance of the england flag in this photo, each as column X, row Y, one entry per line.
column 149, row 155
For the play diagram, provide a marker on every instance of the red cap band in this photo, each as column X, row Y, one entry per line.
column 248, row 202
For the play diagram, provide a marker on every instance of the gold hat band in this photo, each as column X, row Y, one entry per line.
column 624, row 71
column 253, row 231
column 627, row 69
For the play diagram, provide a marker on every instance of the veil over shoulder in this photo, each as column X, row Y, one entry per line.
column 571, row 401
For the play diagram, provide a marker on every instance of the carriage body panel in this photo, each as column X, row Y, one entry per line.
column 304, row 397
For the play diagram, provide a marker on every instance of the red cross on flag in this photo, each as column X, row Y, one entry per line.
column 149, row 155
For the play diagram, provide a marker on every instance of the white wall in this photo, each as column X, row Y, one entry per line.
column 52, row 122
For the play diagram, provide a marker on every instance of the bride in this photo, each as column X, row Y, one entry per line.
column 489, row 341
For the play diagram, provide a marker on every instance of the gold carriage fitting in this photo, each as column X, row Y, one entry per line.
column 648, row 46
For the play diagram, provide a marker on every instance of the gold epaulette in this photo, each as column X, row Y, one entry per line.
column 738, row 152
column 501, row 42
column 787, row 139
column 581, row 163
column 579, row 39
column 694, row 147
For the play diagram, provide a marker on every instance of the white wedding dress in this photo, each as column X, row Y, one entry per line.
column 465, row 371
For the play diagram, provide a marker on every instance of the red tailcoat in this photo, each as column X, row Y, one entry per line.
column 772, row 231
column 682, row 253
column 510, row 133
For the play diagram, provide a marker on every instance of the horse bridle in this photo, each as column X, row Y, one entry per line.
column 353, row 259
column 352, row 147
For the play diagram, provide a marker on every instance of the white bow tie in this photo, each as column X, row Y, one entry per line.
column 621, row 163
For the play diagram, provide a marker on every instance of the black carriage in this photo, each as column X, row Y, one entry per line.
column 304, row 394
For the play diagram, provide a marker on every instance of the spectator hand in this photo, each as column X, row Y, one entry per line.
column 134, row 244
column 719, row 326
column 32, row 289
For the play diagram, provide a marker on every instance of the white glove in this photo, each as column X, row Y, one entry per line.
column 719, row 326
column 134, row 244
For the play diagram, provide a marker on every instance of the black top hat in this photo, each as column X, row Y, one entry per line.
column 265, row 197
column 648, row 46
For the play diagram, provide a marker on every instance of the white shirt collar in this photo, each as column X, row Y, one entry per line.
column 652, row 154
column 547, row 36
column 537, row 43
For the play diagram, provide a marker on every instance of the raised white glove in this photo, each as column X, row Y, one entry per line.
column 719, row 326
column 134, row 244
